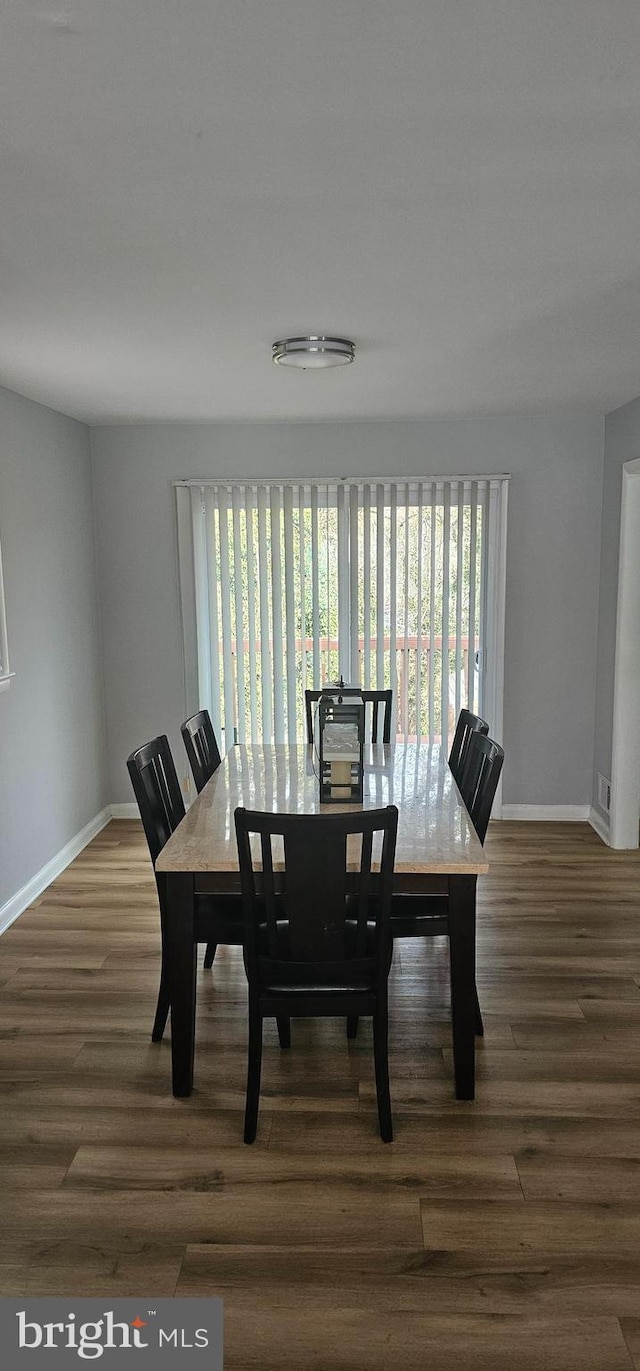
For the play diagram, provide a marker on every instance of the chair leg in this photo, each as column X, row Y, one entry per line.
column 477, row 1015
column 162, row 1007
column 284, row 1030
column 254, row 1063
column 352, row 1026
column 209, row 955
column 381, row 1059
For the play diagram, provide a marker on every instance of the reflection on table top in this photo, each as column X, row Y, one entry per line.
column 435, row 834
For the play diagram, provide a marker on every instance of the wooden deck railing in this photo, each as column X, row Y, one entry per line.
column 407, row 652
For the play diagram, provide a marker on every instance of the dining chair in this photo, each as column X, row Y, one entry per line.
column 204, row 758
column 467, row 725
column 479, row 780
column 219, row 918
column 317, row 937
column 201, row 747
column 427, row 916
column 378, row 699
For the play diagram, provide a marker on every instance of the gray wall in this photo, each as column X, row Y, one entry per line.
column 622, row 444
column 553, row 566
column 51, row 717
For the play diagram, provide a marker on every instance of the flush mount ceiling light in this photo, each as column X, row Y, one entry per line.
column 313, row 352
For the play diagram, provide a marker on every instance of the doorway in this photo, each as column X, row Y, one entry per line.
column 625, row 753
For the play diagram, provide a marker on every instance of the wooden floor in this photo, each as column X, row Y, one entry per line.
column 500, row 1235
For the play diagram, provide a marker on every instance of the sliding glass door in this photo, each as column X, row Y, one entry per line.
column 386, row 583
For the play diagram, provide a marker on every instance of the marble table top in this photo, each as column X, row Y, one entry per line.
column 435, row 834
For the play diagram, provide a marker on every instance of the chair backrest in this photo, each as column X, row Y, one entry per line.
column 479, row 780
column 156, row 788
column 201, row 746
column 467, row 725
column 298, row 915
column 378, row 699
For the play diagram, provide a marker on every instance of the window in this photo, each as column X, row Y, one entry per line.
column 5, row 674
column 386, row 583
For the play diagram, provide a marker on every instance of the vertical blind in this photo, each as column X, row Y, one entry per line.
column 387, row 583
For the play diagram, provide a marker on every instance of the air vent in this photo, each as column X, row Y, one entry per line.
column 604, row 793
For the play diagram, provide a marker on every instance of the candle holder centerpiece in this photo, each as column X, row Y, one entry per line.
column 341, row 749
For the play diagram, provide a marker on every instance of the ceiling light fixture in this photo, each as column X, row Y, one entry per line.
column 313, row 352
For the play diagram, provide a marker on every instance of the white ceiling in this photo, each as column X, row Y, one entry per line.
column 454, row 184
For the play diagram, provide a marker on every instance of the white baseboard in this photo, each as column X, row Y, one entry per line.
column 30, row 892
column 128, row 811
column 567, row 814
column 600, row 824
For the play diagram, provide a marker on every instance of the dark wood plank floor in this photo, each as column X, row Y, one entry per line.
column 500, row 1235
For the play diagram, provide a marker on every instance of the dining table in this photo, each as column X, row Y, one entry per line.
column 437, row 850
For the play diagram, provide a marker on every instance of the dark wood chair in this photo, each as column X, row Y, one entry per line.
column 219, row 918
column 317, row 940
column 428, row 916
column 201, row 747
column 204, row 758
column 467, row 725
column 378, row 699
column 479, row 780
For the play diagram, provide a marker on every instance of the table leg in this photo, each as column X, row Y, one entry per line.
column 182, row 950
column 462, row 957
